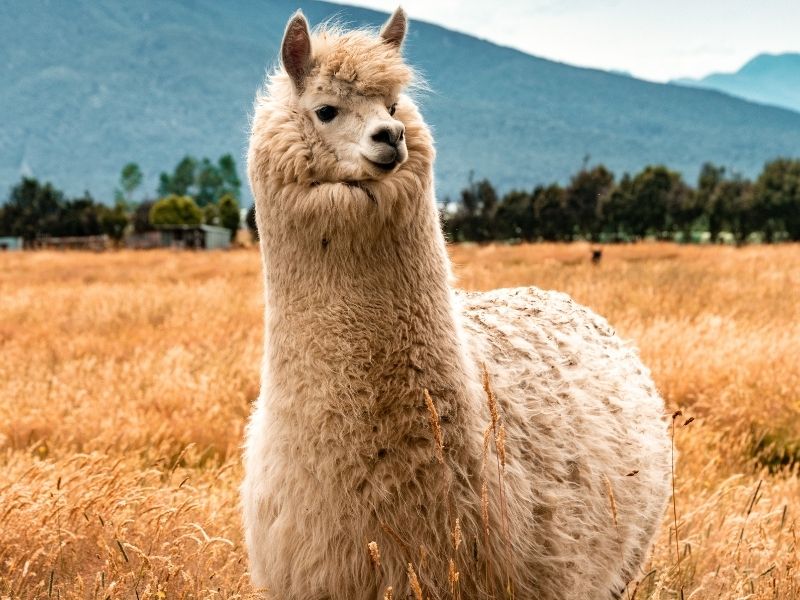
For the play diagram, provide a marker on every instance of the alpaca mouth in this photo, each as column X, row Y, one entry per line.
column 383, row 166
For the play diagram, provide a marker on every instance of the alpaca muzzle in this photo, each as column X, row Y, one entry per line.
column 387, row 147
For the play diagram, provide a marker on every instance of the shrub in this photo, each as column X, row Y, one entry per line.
column 176, row 210
column 211, row 214
column 114, row 221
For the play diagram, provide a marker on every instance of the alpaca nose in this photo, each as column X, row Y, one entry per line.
column 390, row 135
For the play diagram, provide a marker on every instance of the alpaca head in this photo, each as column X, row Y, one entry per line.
column 340, row 100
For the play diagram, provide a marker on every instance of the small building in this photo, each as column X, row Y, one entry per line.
column 10, row 243
column 194, row 237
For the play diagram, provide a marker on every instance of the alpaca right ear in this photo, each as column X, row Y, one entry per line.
column 296, row 49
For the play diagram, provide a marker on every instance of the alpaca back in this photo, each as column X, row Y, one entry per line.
column 586, row 475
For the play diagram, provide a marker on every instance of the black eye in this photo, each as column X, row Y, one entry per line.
column 392, row 108
column 326, row 113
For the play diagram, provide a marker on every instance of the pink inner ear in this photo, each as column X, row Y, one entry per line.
column 296, row 46
column 395, row 30
column 296, row 50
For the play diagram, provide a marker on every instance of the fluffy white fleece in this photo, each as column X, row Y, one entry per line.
column 360, row 319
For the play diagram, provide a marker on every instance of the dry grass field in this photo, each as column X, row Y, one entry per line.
column 126, row 378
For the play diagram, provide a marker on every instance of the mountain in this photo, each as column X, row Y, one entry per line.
column 767, row 78
column 89, row 85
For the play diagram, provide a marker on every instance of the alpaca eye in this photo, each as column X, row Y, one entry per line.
column 392, row 109
column 326, row 113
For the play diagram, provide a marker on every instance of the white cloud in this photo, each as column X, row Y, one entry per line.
column 649, row 38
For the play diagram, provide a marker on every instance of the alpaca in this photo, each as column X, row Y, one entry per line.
column 504, row 444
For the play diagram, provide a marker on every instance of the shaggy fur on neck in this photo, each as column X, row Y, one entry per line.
column 343, row 447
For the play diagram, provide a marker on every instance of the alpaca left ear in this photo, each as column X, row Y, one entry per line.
column 296, row 49
column 394, row 30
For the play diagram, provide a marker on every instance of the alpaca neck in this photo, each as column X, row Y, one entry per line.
column 363, row 326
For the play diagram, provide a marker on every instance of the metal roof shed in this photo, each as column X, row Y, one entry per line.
column 201, row 237
column 10, row 243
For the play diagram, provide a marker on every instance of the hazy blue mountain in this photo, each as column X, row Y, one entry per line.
column 89, row 85
column 767, row 78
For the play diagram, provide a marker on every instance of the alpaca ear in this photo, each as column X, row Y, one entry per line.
column 296, row 49
column 394, row 30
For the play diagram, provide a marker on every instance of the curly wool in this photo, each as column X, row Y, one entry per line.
column 361, row 320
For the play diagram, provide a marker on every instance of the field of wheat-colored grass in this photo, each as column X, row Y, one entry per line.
column 126, row 378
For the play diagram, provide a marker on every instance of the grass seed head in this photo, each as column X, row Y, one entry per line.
column 374, row 554
column 436, row 428
column 413, row 581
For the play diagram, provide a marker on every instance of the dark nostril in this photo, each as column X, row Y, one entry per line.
column 384, row 136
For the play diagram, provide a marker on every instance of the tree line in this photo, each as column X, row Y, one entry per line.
column 654, row 202
column 594, row 205
column 196, row 192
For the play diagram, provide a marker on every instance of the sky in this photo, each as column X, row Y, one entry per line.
column 657, row 40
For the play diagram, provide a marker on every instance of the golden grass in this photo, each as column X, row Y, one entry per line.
column 125, row 381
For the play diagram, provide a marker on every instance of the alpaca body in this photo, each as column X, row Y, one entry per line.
column 361, row 319
column 581, row 417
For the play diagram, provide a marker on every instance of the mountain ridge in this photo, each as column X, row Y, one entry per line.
column 92, row 86
column 767, row 78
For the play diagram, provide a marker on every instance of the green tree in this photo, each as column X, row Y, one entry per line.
column 473, row 220
column 32, row 209
column 683, row 208
column 78, row 217
column 204, row 180
column 584, row 197
column 211, row 214
column 164, row 184
column 130, row 179
column 553, row 220
column 464, row 224
column 514, row 217
column 777, row 198
column 141, row 216
column 182, row 180
column 734, row 202
column 614, row 208
column 706, row 196
column 487, row 200
column 646, row 203
column 229, row 214
column 114, row 221
column 208, row 183
column 230, row 178
column 176, row 210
